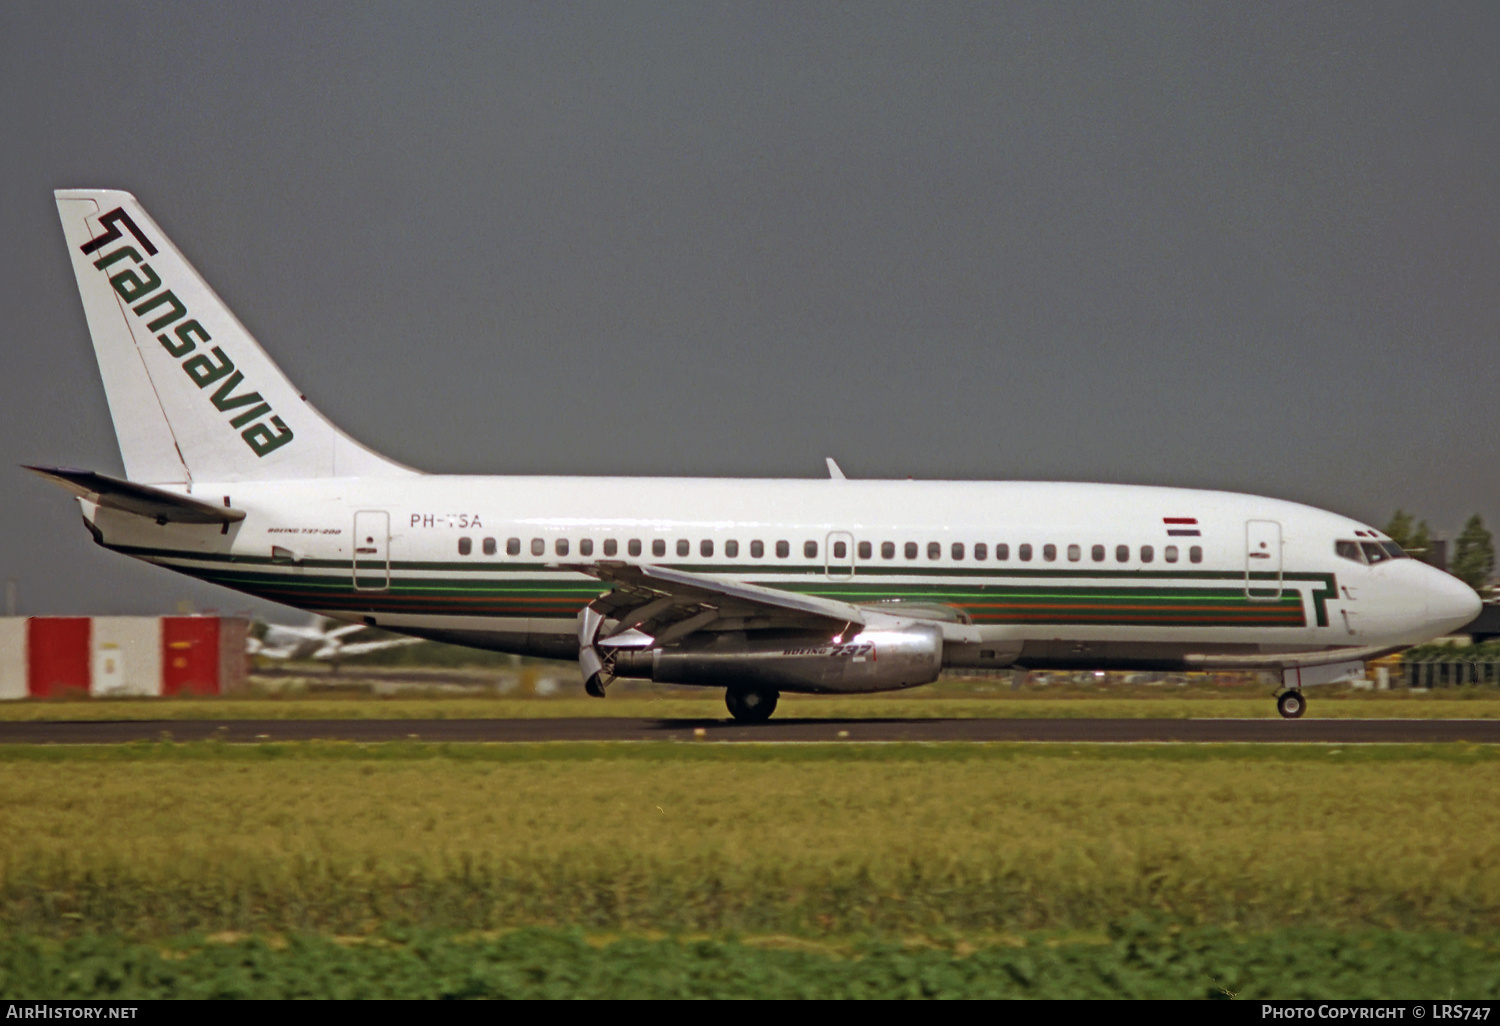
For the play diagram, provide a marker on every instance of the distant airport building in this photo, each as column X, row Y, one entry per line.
column 1486, row 626
column 110, row 656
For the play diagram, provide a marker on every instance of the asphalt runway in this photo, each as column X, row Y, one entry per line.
column 618, row 729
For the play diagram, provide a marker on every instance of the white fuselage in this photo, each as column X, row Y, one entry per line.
column 757, row 586
column 1010, row 570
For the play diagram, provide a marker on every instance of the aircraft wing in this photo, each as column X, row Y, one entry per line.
column 372, row 646
column 142, row 500
column 668, row 604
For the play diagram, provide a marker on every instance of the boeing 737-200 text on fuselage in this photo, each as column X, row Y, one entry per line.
column 754, row 586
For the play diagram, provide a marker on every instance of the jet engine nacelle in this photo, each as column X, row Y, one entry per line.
column 877, row 659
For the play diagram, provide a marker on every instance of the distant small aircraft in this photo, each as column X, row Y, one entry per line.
column 754, row 586
column 322, row 639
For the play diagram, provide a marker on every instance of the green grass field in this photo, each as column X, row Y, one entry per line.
column 690, row 868
column 1138, row 961
column 809, row 840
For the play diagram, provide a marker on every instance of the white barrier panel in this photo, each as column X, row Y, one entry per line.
column 126, row 658
column 12, row 657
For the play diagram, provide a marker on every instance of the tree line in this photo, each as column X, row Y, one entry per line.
column 1471, row 560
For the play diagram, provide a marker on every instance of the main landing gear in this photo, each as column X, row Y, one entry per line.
column 1291, row 704
column 603, row 675
column 751, row 705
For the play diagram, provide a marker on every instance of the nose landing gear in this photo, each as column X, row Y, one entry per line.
column 1291, row 704
column 751, row 705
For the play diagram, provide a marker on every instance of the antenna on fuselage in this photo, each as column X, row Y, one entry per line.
column 833, row 469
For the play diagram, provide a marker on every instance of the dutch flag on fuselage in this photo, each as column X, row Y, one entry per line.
column 1182, row 527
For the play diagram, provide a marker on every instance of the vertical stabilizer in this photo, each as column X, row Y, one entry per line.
column 192, row 394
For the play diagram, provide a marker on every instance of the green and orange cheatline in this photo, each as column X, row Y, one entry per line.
column 987, row 596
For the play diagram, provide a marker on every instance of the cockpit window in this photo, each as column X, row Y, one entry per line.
column 1349, row 550
column 1374, row 552
column 1396, row 551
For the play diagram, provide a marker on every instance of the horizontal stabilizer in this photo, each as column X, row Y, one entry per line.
column 143, row 500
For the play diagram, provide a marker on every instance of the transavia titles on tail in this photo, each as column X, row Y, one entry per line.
column 754, row 586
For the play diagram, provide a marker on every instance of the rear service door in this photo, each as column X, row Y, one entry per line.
column 1262, row 560
column 372, row 550
column 840, row 556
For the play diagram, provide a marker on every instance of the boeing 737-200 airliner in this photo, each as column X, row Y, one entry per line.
column 754, row 586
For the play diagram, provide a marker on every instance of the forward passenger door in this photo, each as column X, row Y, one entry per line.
column 1262, row 560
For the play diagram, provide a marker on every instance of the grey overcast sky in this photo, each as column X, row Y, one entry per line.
column 1244, row 246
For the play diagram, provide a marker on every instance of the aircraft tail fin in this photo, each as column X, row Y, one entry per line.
column 191, row 393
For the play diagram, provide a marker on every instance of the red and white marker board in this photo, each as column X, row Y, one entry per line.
column 117, row 656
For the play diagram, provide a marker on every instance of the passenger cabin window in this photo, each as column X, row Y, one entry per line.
column 1195, row 554
column 1049, row 552
column 611, row 546
column 887, row 550
column 1075, row 553
column 1349, row 550
column 840, row 550
column 958, row 550
column 658, row 547
column 810, row 550
column 512, row 546
column 634, row 548
column 561, row 546
column 586, row 547
column 1097, row 553
column 1024, row 551
column 731, row 549
column 465, row 546
column 934, row 550
column 911, row 550
column 864, row 550
column 684, row 546
column 1169, row 553
column 1147, row 553
column 705, row 548
column 981, row 551
column 489, row 546
column 783, row 549
column 538, row 547
column 757, row 549
column 1373, row 552
column 1122, row 553
column 1002, row 551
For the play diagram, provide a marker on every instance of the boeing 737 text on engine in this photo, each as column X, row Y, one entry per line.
column 754, row 586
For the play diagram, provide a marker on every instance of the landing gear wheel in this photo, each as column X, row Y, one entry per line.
column 750, row 705
column 1291, row 704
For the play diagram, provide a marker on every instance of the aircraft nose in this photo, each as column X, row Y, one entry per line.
column 1450, row 602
